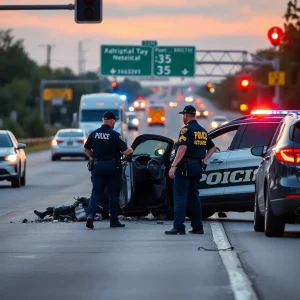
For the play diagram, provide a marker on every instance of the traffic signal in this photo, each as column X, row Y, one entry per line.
column 244, row 83
column 88, row 11
column 275, row 35
column 209, row 86
column 114, row 86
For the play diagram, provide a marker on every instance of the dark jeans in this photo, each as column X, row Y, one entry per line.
column 105, row 175
column 185, row 191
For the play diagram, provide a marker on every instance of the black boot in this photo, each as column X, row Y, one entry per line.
column 41, row 215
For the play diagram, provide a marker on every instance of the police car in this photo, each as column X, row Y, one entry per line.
column 226, row 185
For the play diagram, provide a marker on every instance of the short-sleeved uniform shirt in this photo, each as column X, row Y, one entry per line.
column 106, row 143
column 195, row 137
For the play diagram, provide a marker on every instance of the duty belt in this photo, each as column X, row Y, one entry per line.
column 98, row 161
column 193, row 159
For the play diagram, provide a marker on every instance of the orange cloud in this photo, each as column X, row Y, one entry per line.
column 157, row 26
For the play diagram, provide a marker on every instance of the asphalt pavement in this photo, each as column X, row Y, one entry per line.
column 68, row 261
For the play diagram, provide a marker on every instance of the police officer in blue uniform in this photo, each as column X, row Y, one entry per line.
column 104, row 147
column 193, row 149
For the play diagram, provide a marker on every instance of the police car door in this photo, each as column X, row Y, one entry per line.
column 213, row 179
column 242, row 165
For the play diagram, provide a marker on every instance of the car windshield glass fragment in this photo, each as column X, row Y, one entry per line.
column 95, row 115
column 70, row 134
column 5, row 141
column 149, row 147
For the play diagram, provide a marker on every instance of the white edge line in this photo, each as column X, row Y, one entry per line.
column 239, row 282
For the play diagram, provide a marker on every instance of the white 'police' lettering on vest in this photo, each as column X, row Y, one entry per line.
column 102, row 136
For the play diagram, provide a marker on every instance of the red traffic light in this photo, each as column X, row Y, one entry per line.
column 244, row 83
column 275, row 35
column 209, row 85
column 114, row 84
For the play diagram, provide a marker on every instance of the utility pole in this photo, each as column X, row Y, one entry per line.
column 81, row 59
column 48, row 54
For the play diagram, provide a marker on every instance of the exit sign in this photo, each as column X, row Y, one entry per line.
column 149, row 43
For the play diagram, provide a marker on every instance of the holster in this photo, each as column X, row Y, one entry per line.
column 90, row 165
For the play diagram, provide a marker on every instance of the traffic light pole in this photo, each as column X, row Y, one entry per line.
column 277, row 88
column 38, row 7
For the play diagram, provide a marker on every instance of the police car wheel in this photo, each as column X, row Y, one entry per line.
column 274, row 225
column 23, row 178
column 16, row 182
column 259, row 220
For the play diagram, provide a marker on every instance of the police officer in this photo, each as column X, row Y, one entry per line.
column 105, row 146
column 193, row 149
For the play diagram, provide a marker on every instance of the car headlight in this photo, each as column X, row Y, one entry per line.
column 136, row 104
column 131, row 108
column 214, row 124
column 198, row 113
column 135, row 121
column 11, row 158
column 206, row 113
column 143, row 104
column 171, row 104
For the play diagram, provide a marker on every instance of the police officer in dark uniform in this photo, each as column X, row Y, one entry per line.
column 105, row 146
column 193, row 149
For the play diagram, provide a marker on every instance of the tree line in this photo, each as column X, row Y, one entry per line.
column 20, row 79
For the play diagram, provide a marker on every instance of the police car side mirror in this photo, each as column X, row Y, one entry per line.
column 258, row 150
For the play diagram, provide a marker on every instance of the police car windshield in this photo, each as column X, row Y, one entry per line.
column 70, row 134
column 149, row 147
column 5, row 141
column 95, row 115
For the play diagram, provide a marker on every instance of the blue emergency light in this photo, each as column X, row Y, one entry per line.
column 123, row 97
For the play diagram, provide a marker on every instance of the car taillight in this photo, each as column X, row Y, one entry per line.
column 162, row 118
column 81, row 141
column 288, row 155
column 56, row 142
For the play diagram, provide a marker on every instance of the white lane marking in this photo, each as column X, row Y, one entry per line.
column 26, row 256
column 240, row 284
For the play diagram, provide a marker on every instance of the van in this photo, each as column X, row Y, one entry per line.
column 93, row 106
column 156, row 115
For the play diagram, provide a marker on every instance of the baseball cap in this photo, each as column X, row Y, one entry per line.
column 109, row 115
column 189, row 109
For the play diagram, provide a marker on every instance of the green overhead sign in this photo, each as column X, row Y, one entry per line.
column 159, row 61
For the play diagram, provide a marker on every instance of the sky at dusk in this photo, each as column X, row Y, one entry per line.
column 211, row 24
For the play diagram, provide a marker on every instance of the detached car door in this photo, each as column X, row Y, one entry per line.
column 148, row 145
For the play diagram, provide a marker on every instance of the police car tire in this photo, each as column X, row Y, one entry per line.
column 274, row 225
column 259, row 220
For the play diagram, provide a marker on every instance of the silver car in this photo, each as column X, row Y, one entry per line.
column 12, row 159
column 68, row 142
column 132, row 121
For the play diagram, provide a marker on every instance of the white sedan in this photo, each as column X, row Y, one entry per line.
column 68, row 142
column 12, row 159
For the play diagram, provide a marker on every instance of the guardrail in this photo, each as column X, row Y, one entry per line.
column 36, row 141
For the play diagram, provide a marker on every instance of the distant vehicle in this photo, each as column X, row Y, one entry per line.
column 202, row 114
column 189, row 99
column 140, row 104
column 156, row 115
column 173, row 104
column 68, row 143
column 132, row 121
column 277, row 184
column 12, row 159
column 218, row 121
column 93, row 106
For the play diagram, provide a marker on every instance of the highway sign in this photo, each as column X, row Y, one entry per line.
column 149, row 43
column 126, row 60
column 62, row 93
column 174, row 61
column 276, row 78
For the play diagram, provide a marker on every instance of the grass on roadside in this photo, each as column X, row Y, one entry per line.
column 36, row 148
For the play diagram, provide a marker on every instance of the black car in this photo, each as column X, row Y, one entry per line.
column 226, row 185
column 277, row 185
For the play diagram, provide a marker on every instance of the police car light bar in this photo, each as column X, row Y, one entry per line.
column 274, row 112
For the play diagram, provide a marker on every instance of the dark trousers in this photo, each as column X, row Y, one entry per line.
column 185, row 192
column 105, row 175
